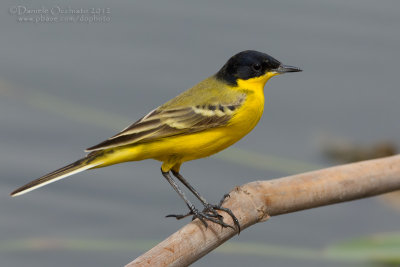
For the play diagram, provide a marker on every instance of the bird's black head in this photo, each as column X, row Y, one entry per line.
column 251, row 64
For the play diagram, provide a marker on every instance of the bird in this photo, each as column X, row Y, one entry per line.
column 201, row 121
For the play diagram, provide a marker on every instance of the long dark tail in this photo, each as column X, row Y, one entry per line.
column 76, row 167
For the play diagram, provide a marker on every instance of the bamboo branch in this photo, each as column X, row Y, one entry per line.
column 257, row 201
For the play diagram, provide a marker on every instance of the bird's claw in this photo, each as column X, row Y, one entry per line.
column 210, row 214
column 214, row 208
column 178, row 216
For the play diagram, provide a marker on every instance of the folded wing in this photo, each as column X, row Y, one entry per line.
column 164, row 122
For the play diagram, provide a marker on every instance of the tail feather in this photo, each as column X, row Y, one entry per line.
column 76, row 167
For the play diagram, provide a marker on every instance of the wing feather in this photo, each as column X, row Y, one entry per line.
column 163, row 122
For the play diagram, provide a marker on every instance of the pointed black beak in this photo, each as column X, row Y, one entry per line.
column 285, row 68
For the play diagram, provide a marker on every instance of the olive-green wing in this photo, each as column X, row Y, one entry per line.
column 163, row 122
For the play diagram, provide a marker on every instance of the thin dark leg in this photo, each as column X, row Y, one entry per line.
column 193, row 211
column 197, row 194
column 208, row 207
column 189, row 186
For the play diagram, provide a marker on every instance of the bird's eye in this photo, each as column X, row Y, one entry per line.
column 256, row 67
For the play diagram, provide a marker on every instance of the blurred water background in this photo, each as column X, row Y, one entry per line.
column 65, row 86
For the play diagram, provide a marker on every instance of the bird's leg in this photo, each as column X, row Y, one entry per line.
column 197, row 194
column 193, row 211
column 207, row 206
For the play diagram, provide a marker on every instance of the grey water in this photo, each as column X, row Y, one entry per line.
column 141, row 55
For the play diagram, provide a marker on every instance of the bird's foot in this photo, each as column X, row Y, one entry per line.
column 213, row 210
column 210, row 214
column 204, row 216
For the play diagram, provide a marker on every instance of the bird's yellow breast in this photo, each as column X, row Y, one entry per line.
column 208, row 142
column 248, row 115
